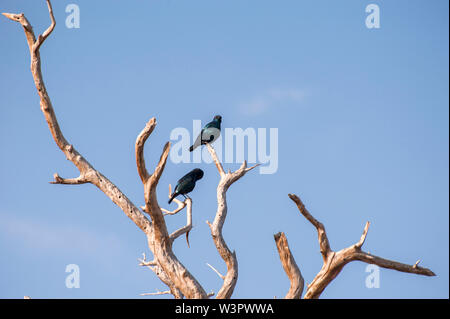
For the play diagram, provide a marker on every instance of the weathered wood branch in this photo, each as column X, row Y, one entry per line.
column 216, row 160
column 390, row 264
column 49, row 30
column 68, row 181
column 325, row 248
column 88, row 174
column 168, row 268
column 187, row 228
column 216, row 271
column 335, row 261
column 159, row 272
column 144, row 262
column 180, row 205
column 139, row 149
column 290, row 267
column 166, row 292
column 165, row 265
column 226, row 180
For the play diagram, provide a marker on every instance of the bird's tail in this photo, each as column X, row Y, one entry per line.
column 197, row 143
column 175, row 194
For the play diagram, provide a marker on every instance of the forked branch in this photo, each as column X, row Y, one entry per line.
column 187, row 228
column 335, row 261
column 226, row 180
column 324, row 243
column 168, row 268
column 181, row 205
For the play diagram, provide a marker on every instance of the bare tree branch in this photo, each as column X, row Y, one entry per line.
column 335, row 261
column 226, row 180
column 143, row 261
column 290, row 267
column 47, row 32
column 139, row 148
column 166, row 292
column 181, row 205
column 390, row 264
column 363, row 236
column 69, row 181
column 323, row 239
column 185, row 229
column 166, row 265
column 159, row 272
column 87, row 173
column 169, row 269
column 216, row 160
column 216, row 271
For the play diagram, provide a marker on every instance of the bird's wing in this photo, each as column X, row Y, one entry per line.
column 198, row 141
column 210, row 134
column 186, row 178
column 213, row 124
column 210, row 124
column 185, row 184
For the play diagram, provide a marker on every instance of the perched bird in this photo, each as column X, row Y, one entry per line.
column 186, row 184
column 209, row 133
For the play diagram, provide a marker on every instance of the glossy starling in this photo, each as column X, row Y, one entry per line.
column 186, row 184
column 209, row 133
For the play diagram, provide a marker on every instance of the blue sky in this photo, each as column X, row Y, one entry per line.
column 362, row 118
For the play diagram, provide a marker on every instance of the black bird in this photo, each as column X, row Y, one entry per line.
column 209, row 133
column 186, row 184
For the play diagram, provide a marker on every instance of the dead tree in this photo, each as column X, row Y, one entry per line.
column 333, row 262
column 165, row 265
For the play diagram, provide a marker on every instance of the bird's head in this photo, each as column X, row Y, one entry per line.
column 198, row 173
column 218, row 118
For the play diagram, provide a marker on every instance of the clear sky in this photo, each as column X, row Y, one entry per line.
column 362, row 118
